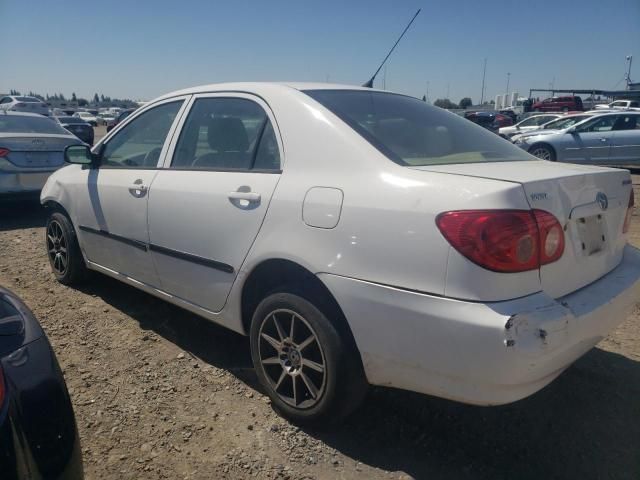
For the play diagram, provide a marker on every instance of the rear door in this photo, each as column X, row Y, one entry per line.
column 626, row 140
column 208, row 203
column 111, row 208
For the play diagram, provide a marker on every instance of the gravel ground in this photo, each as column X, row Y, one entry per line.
column 160, row 393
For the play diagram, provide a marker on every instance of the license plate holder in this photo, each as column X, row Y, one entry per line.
column 591, row 232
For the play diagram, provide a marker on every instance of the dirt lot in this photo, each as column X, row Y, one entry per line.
column 160, row 393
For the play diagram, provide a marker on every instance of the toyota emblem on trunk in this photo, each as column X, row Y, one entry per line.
column 602, row 200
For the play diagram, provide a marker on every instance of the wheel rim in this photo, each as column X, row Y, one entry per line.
column 542, row 153
column 292, row 358
column 57, row 248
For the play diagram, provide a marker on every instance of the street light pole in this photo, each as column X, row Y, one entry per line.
column 484, row 72
column 508, row 77
column 629, row 59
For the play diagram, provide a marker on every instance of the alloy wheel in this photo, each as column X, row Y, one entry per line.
column 292, row 358
column 57, row 248
column 542, row 153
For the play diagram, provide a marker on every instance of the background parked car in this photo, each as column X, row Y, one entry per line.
column 119, row 118
column 559, row 104
column 528, row 124
column 77, row 126
column 490, row 120
column 24, row 104
column 87, row 117
column 38, row 434
column 619, row 105
column 31, row 147
column 610, row 138
column 564, row 121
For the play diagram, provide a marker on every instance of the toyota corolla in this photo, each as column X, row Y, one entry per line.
column 357, row 236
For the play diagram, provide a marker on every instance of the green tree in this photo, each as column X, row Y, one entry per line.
column 424, row 98
column 73, row 97
column 466, row 102
column 96, row 98
column 445, row 103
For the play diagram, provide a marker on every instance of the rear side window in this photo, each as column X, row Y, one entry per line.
column 28, row 124
column 227, row 134
column 412, row 133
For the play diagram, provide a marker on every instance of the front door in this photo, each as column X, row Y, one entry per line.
column 208, row 203
column 592, row 141
column 112, row 219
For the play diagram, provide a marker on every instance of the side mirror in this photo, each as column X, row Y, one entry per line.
column 80, row 154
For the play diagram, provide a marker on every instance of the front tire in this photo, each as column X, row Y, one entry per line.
column 304, row 363
column 544, row 152
column 63, row 251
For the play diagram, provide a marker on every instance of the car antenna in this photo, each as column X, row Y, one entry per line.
column 369, row 84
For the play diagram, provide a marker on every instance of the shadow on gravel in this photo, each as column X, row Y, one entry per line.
column 16, row 214
column 584, row 425
column 211, row 343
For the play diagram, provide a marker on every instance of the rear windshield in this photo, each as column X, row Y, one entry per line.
column 28, row 99
column 28, row 124
column 412, row 133
column 72, row 120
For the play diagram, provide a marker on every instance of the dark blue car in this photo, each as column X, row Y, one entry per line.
column 38, row 434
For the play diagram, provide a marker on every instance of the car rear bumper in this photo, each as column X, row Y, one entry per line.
column 23, row 181
column 481, row 353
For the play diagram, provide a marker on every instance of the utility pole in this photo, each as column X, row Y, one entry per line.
column 484, row 72
column 629, row 59
column 508, row 77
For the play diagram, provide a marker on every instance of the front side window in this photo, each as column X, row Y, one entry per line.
column 412, row 133
column 603, row 124
column 227, row 134
column 138, row 144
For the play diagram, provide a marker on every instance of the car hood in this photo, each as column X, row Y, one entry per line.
column 536, row 133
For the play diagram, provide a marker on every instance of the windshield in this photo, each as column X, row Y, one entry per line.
column 412, row 133
column 562, row 123
column 28, row 124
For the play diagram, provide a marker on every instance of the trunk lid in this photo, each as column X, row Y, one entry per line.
column 37, row 151
column 589, row 202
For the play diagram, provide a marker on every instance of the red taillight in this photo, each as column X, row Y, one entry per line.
column 627, row 218
column 4, row 152
column 504, row 240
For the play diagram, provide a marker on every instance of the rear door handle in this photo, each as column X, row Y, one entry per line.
column 249, row 196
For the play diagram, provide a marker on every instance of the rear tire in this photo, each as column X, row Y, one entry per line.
column 544, row 152
column 63, row 251
column 305, row 364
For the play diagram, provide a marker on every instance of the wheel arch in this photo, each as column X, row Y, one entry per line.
column 270, row 275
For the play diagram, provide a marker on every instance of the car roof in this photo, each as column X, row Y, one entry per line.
column 258, row 87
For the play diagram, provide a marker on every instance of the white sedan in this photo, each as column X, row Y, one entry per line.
column 357, row 236
column 87, row 117
column 529, row 124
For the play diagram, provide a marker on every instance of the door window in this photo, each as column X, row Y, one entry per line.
column 603, row 124
column 227, row 134
column 138, row 144
column 627, row 122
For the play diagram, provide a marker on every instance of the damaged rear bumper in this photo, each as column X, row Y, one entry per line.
column 481, row 353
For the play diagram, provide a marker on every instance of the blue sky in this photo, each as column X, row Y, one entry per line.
column 142, row 48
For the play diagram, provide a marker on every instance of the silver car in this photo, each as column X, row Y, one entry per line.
column 565, row 121
column 610, row 138
column 31, row 148
column 21, row 103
